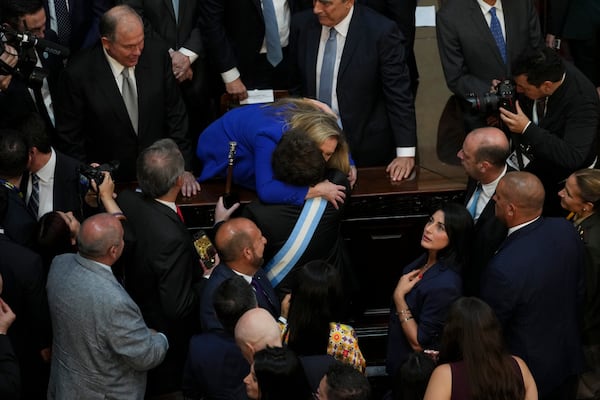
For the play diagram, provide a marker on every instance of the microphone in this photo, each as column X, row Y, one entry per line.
column 43, row 44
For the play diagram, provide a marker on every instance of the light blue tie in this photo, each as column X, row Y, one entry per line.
column 326, row 79
column 274, row 54
column 176, row 9
column 497, row 33
column 475, row 197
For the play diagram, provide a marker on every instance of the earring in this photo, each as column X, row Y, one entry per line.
column 584, row 209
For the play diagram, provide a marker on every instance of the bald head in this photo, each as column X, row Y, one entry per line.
column 256, row 330
column 240, row 244
column 121, row 19
column 100, row 238
column 519, row 198
column 484, row 153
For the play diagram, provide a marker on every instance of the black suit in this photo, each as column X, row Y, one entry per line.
column 91, row 118
column 10, row 377
column 373, row 87
column 163, row 274
column 566, row 137
column 235, row 30
column 19, row 223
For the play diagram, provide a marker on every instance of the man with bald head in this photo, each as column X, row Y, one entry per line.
column 534, row 285
column 120, row 97
column 483, row 156
column 240, row 245
column 102, row 346
column 255, row 330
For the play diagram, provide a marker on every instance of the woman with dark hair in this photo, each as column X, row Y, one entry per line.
column 315, row 310
column 477, row 365
column 276, row 374
column 429, row 285
column 581, row 196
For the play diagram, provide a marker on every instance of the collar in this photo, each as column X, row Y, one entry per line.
column 115, row 66
column 485, row 7
column 523, row 225
column 46, row 173
column 169, row 204
column 106, row 267
column 490, row 188
column 344, row 25
column 247, row 278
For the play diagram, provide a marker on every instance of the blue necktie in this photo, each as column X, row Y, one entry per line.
column 34, row 198
column 274, row 54
column 475, row 197
column 176, row 9
column 63, row 21
column 497, row 33
column 326, row 79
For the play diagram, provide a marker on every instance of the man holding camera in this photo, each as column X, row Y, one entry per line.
column 556, row 121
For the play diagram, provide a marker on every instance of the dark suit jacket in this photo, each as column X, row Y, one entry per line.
column 535, row 278
column 589, row 231
column 85, row 16
column 470, row 57
column 67, row 193
column 19, row 224
column 215, row 368
column 10, row 378
column 91, row 118
column 429, row 302
column 566, row 137
column 162, row 275
column 373, row 86
column 221, row 273
column 234, row 32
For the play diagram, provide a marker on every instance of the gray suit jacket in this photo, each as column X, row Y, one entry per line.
column 469, row 54
column 102, row 347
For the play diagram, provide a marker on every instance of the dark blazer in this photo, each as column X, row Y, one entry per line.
column 10, row 376
column 163, row 275
column 208, row 316
column 566, row 137
column 373, row 86
column 535, row 278
column 470, row 57
column 91, row 118
column 19, row 224
column 215, row 368
column 85, row 16
column 489, row 233
column 589, row 231
column 234, row 31
column 429, row 302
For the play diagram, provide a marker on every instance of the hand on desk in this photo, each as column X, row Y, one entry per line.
column 400, row 168
column 237, row 89
column 190, row 185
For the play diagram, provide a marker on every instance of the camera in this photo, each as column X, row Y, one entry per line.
column 89, row 173
column 503, row 97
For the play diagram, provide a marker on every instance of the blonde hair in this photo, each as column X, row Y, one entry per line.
column 318, row 126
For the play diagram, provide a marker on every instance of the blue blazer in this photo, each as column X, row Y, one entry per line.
column 208, row 316
column 428, row 301
column 534, row 284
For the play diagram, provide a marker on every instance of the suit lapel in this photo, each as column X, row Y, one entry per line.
column 352, row 40
column 143, row 79
column 312, row 48
column 482, row 28
column 509, row 28
column 169, row 6
column 523, row 231
column 258, row 7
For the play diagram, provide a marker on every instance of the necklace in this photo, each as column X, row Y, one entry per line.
column 425, row 268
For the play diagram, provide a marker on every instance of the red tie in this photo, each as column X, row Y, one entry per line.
column 180, row 214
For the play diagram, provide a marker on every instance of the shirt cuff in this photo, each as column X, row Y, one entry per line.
column 187, row 52
column 405, row 151
column 231, row 75
column 526, row 126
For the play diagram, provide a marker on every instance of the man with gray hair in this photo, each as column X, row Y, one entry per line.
column 165, row 275
column 102, row 346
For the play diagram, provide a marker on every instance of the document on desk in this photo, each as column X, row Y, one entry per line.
column 425, row 16
column 259, row 96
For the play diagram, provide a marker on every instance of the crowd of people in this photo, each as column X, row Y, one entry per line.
column 110, row 294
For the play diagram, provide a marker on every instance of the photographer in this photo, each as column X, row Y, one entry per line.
column 35, row 74
column 556, row 121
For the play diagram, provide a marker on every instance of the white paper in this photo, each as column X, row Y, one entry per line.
column 259, row 96
column 425, row 16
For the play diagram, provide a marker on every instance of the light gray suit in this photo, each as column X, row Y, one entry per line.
column 102, row 347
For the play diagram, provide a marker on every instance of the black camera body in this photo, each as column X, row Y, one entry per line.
column 504, row 96
column 89, row 173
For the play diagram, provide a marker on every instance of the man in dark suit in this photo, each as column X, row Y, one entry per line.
column 30, row 91
column 120, row 97
column 370, row 86
column 82, row 30
column 235, row 37
column 215, row 367
column 240, row 245
column 483, row 156
column 180, row 31
column 165, row 272
column 59, row 187
column 534, row 284
column 556, row 122
column 471, row 58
